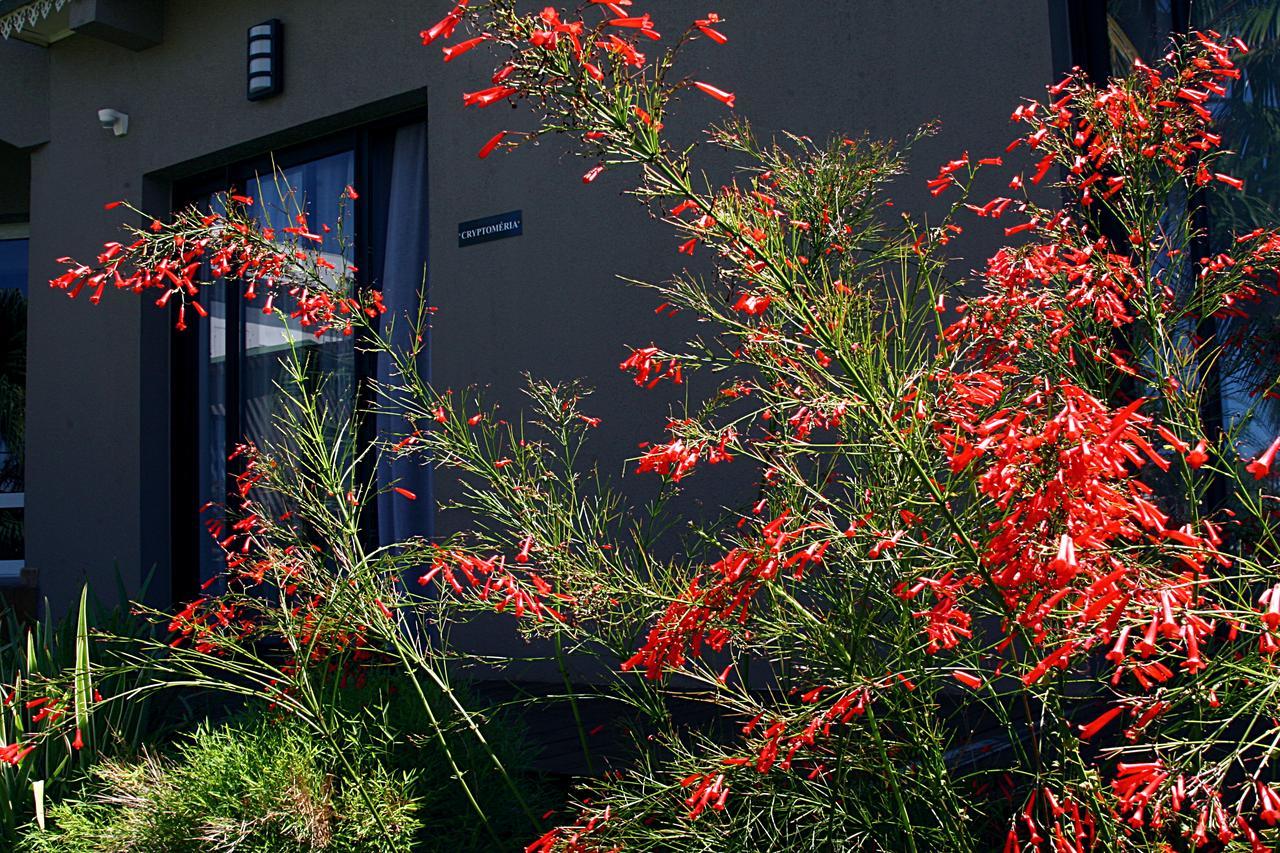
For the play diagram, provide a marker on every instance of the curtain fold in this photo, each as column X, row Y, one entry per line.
column 403, row 279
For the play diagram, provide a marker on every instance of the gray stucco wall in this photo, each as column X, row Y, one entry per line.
column 547, row 302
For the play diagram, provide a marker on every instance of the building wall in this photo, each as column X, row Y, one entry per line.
column 546, row 302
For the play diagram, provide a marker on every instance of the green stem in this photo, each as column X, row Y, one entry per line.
column 573, row 704
column 448, row 752
column 903, row 816
column 410, row 664
column 357, row 780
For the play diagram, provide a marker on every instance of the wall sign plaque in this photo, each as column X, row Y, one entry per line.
column 510, row 224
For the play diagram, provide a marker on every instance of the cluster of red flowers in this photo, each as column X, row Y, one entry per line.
column 1159, row 117
column 678, row 457
column 651, row 366
column 1082, row 557
column 699, row 617
column 1076, row 549
column 182, row 257
column 575, row 838
column 592, row 52
column 13, row 753
column 45, row 712
column 1080, row 834
column 209, row 624
column 526, row 594
column 1061, row 464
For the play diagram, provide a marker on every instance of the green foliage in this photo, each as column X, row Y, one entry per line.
column 388, row 716
column 67, row 662
column 263, row 784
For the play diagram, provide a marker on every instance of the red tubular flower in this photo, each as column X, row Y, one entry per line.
column 726, row 98
column 405, row 493
column 753, row 304
column 704, row 27
column 938, row 184
column 491, row 144
column 624, row 51
column 1271, row 599
column 683, row 207
column 13, row 753
column 1234, row 183
column 485, row 97
column 1178, row 445
column 1065, row 563
column 445, row 26
column 1090, row 729
column 454, row 51
column 1261, row 467
column 1117, row 651
column 1198, row 455
column 593, row 173
column 968, row 679
column 1058, row 658
column 1268, row 804
column 641, row 24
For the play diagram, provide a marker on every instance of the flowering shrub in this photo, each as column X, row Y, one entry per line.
column 1007, row 582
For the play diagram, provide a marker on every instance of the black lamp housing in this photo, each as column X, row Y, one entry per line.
column 266, row 65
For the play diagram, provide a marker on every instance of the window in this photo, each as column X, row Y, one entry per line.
column 236, row 355
column 13, row 370
column 1248, row 117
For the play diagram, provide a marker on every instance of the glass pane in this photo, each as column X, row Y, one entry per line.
column 11, row 539
column 1138, row 29
column 1248, row 118
column 13, row 265
column 314, row 189
column 212, row 404
column 211, row 409
column 13, row 382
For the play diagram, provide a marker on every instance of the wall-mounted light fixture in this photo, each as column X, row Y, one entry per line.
column 114, row 121
column 266, row 70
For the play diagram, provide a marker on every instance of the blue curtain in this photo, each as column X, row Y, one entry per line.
column 403, row 279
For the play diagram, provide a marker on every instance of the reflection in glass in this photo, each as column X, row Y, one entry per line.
column 315, row 189
column 13, row 396
column 212, row 402
column 1248, row 118
column 245, row 349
